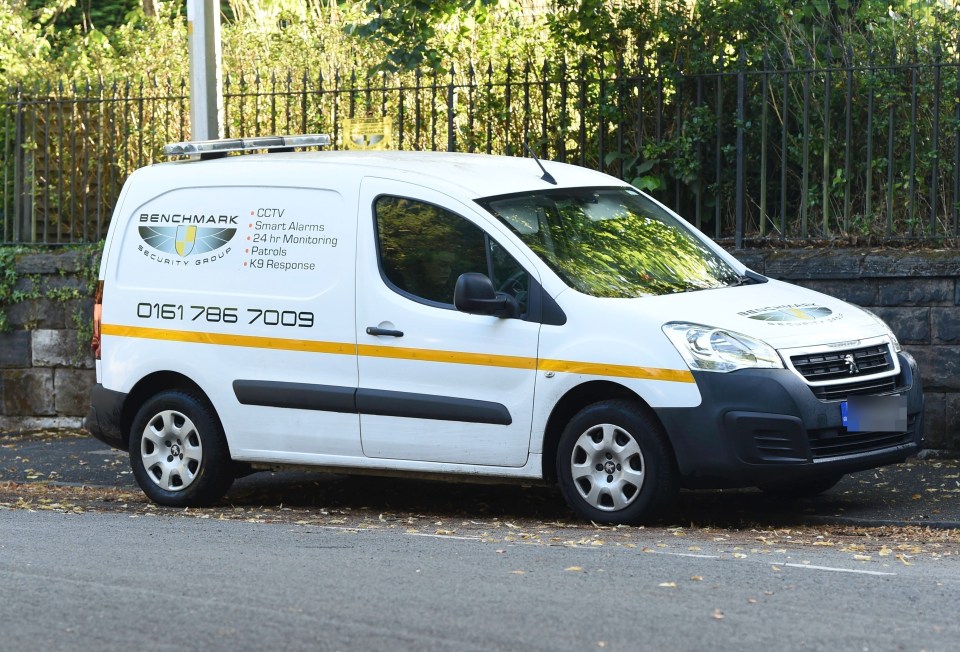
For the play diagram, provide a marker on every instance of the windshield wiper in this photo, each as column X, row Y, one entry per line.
column 749, row 277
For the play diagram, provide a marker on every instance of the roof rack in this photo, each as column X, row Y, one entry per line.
column 207, row 149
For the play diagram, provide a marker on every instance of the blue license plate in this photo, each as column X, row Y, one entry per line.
column 874, row 413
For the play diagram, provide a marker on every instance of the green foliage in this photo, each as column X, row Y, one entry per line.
column 25, row 47
column 15, row 288
column 411, row 30
column 9, row 294
column 87, row 14
column 604, row 56
column 69, row 40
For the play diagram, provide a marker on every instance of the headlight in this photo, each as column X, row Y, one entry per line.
column 713, row 349
column 882, row 324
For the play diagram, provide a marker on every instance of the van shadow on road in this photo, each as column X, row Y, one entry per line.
column 865, row 499
column 919, row 492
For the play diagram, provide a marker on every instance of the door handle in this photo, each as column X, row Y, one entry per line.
column 375, row 330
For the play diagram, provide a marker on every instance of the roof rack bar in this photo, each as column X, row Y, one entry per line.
column 216, row 148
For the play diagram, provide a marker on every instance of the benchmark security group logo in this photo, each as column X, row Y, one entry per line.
column 188, row 242
column 793, row 314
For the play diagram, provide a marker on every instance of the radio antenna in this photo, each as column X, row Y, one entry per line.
column 546, row 175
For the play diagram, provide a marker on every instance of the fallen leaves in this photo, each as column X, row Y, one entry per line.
column 883, row 540
column 905, row 544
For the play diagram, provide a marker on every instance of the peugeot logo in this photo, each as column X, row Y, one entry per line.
column 851, row 363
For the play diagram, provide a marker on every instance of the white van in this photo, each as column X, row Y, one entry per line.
column 463, row 316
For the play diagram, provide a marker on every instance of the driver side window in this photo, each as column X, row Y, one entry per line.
column 423, row 249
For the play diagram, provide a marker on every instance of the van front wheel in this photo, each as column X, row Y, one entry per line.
column 178, row 452
column 614, row 465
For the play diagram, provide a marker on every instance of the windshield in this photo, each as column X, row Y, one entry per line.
column 612, row 242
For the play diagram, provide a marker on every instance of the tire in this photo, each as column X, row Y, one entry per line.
column 614, row 464
column 803, row 488
column 178, row 451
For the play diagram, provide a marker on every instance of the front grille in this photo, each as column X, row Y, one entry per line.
column 836, row 442
column 876, row 386
column 835, row 365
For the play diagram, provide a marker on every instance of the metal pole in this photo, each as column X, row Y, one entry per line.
column 206, row 95
column 451, row 107
column 825, row 184
column 764, row 83
column 804, row 183
column 935, row 154
column 741, row 172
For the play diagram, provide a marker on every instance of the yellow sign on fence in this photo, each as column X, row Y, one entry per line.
column 367, row 133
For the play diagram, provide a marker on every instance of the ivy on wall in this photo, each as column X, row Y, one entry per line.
column 16, row 288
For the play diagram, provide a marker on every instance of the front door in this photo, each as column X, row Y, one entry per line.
column 436, row 384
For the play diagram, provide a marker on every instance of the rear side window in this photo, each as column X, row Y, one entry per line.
column 424, row 248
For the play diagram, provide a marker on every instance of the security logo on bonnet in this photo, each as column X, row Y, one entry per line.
column 795, row 312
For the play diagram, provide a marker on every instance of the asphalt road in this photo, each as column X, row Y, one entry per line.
column 298, row 561
column 111, row 582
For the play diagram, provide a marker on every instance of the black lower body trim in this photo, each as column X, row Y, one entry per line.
column 329, row 398
column 424, row 406
column 300, row 396
column 105, row 419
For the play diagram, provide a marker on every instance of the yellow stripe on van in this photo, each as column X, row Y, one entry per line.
column 400, row 353
column 249, row 341
column 456, row 357
column 617, row 370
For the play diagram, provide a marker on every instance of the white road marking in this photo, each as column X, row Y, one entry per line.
column 828, row 569
column 685, row 554
column 443, row 536
column 357, row 530
column 837, row 570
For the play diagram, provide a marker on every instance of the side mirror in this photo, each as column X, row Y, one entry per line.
column 474, row 294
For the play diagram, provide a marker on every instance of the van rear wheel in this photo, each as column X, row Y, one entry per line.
column 614, row 464
column 178, row 452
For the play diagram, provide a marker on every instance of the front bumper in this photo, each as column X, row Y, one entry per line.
column 105, row 419
column 765, row 426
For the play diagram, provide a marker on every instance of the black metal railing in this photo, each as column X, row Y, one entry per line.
column 752, row 150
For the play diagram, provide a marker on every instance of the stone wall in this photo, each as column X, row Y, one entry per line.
column 46, row 368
